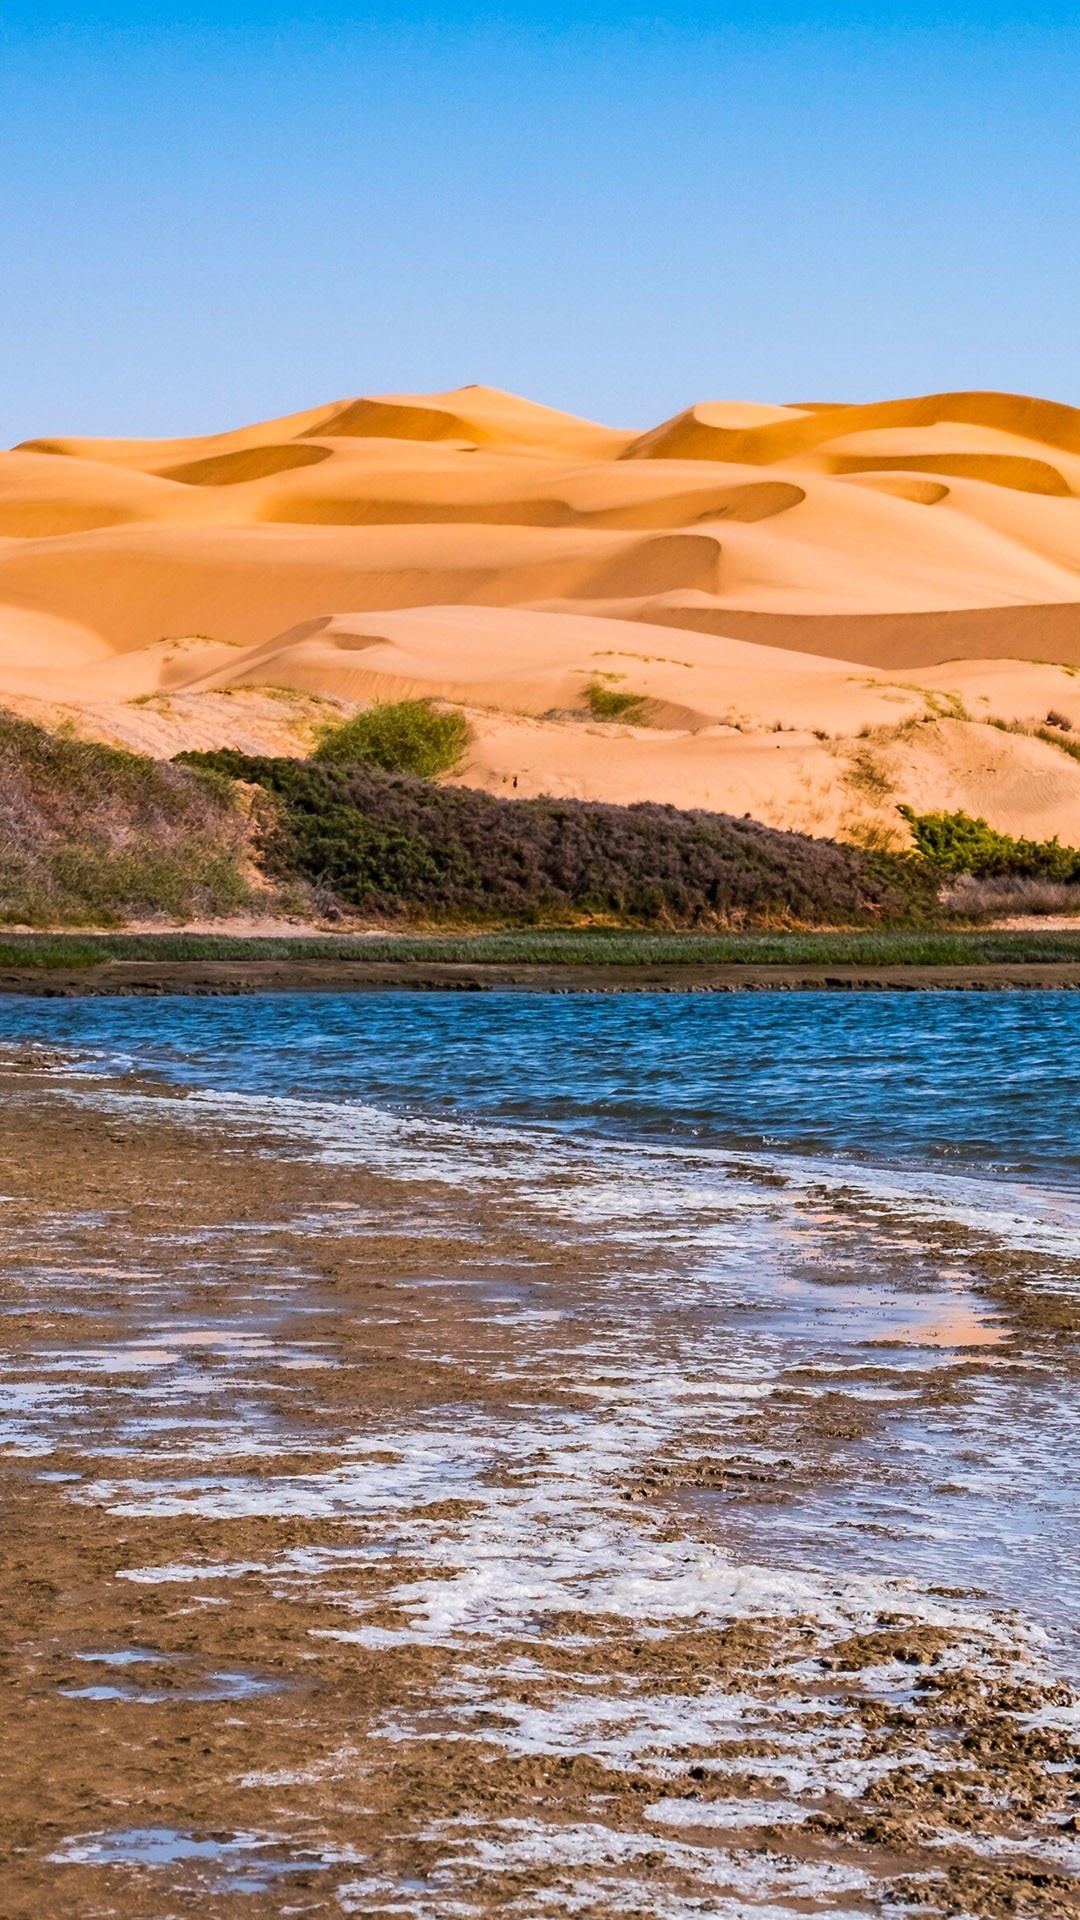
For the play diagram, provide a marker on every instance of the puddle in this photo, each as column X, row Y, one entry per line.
column 221, row 1684
column 216, row 1686
column 127, row 1657
column 237, row 1864
column 189, row 1347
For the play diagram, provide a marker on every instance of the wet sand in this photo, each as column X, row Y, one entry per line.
column 404, row 1522
column 342, row 976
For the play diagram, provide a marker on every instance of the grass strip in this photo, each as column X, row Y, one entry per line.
column 569, row 947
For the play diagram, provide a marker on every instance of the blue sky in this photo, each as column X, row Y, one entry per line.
column 226, row 212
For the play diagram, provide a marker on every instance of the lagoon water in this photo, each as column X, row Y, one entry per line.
column 983, row 1082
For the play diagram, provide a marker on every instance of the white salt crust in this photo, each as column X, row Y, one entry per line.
column 648, row 1182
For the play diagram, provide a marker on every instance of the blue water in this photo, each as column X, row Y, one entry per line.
column 979, row 1081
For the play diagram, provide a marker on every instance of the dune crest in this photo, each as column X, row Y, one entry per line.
column 766, row 579
column 708, row 432
column 244, row 463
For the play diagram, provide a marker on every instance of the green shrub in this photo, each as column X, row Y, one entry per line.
column 396, row 845
column 956, row 843
column 402, row 736
column 607, row 703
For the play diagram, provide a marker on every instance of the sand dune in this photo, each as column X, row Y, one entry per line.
column 822, row 606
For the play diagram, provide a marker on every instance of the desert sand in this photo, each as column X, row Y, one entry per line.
column 826, row 609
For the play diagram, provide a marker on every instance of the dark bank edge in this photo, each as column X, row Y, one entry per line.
column 146, row 978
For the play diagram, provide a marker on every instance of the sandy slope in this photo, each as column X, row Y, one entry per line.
column 823, row 606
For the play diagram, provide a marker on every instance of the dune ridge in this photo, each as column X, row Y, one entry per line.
column 825, row 608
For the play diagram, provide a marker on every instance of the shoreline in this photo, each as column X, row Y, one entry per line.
column 253, row 976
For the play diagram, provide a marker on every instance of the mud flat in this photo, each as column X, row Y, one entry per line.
column 143, row 977
column 408, row 1517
